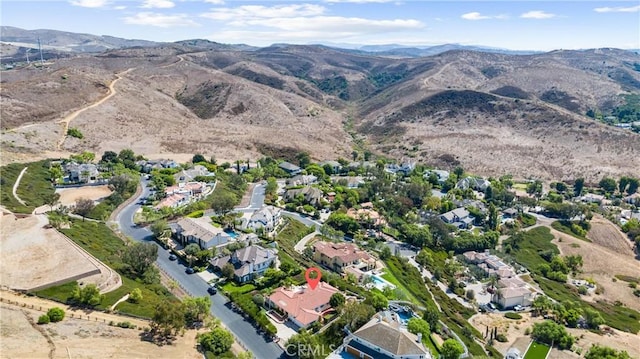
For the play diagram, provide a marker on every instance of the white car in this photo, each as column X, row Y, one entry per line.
column 518, row 308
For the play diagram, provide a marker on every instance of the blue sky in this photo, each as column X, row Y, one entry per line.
column 518, row 25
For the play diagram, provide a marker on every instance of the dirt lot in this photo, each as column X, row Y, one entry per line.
column 514, row 330
column 33, row 256
column 75, row 338
column 68, row 196
column 601, row 264
column 607, row 234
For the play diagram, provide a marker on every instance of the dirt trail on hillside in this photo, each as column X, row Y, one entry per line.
column 67, row 120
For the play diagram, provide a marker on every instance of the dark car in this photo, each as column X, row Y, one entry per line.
column 212, row 290
column 190, row 270
column 173, row 257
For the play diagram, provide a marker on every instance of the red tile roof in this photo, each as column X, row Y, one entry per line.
column 301, row 304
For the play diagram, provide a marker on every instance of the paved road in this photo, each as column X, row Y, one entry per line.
column 196, row 286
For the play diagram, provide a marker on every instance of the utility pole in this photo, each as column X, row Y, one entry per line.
column 40, row 49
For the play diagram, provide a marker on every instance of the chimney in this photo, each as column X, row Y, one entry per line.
column 419, row 338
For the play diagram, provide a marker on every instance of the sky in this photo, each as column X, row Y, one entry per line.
column 516, row 25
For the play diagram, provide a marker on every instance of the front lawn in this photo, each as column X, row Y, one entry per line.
column 537, row 351
column 232, row 287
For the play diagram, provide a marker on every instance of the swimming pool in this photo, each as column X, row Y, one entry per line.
column 231, row 234
column 380, row 283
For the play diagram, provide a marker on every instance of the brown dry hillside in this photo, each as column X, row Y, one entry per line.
column 492, row 113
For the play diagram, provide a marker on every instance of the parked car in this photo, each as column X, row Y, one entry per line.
column 190, row 270
column 518, row 308
column 173, row 257
column 491, row 306
column 212, row 290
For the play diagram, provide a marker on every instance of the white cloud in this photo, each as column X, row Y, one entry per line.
column 159, row 4
column 537, row 14
column 89, row 3
column 215, row 2
column 474, row 16
column 335, row 23
column 120, row 7
column 246, row 12
column 160, row 20
column 618, row 9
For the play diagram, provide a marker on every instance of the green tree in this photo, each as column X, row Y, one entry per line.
column 222, row 202
column 431, row 316
column 122, row 184
column 492, row 222
column 168, row 319
column 385, row 252
column 228, row 271
column 160, row 228
column 608, row 184
column 51, row 198
column 623, row 183
column 336, row 300
column 424, row 258
column 550, row 332
column 135, row 296
column 451, row 349
column 303, row 159
column 378, row 301
column 601, row 352
column 138, row 258
column 417, row 325
column 55, row 314
column 217, row 341
column 459, row 172
column 593, row 318
column 197, row 158
column 88, row 295
column 44, row 319
column 196, row 309
column 578, row 185
column 633, row 186
column 109, row 156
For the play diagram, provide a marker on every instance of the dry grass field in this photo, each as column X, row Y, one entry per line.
column 607, row 234
column 68, row 196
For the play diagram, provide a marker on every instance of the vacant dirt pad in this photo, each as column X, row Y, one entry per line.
column 33, row 256
column 68, row 196
column 607, row 234
column 75, row 338
column 601, row 264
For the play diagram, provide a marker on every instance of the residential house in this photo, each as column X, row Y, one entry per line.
column 302, row 305
column 339, row 256
column 459, row 217
column 189, row 175
column 83, row 172
column 302, row 180
column 491, row 264
column 249, row 262
column 475, row 183
column 513, row 291
column 366, row 215
column 150, row 165
column 201, row 231
column 510, row 213
column 348, row 181
column 633, row 199
column 442, row 176
column 385, row 337
column 592, row 198
column 172, row 201
column 266, row 219
column 335, row 166
column 183, row 193
column 290, row 168
column 405, row 168
column 310, row 195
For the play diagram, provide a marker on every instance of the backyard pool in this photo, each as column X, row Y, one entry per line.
column 232, row 234
column 381, row 283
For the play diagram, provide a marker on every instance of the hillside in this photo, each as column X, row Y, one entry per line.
column 492, row 113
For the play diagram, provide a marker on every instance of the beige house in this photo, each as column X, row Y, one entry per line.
column 340, row 256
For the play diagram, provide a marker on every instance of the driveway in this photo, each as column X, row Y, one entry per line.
column 193, row 284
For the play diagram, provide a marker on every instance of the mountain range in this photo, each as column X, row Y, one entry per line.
column 490, row 111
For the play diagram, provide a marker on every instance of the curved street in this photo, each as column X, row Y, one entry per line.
column 242, row 329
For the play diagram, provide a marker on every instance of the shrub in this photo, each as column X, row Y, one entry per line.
column 583, row 290
column 43, row 319
column 501, row 338
column 527, row 331
column 512, row 315
column 135, row 296
column 55, row 314
column 636, row 292
column 126, row 325
column 74, row 132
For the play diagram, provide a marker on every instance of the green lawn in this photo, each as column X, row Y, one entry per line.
column 102, row 243
column 232, row 287
column 391, row 279
column 537, row 351
column 33, row 186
